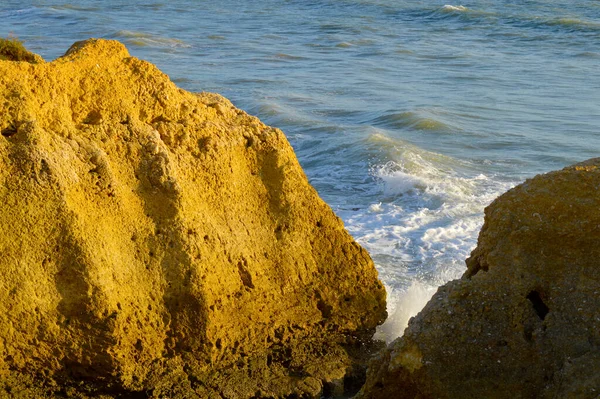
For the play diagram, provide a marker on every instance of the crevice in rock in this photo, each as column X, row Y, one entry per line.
column 324, row 308
column 9, row 131
column 160, row 118
column 245, row 275
column 94, row 117
column 538, row 304
column 474, row 265
column 354, row 381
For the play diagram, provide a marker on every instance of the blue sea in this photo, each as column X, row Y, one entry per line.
column 409, row 117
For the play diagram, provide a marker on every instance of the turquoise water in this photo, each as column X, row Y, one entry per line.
column 409, row 117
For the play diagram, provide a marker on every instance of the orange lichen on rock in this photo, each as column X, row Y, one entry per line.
column 154, row 240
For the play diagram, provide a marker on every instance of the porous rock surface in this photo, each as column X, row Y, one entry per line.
column 159, row 243
column 524, row 320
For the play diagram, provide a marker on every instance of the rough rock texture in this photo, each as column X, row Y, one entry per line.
column 524, row 320
column 165, row 243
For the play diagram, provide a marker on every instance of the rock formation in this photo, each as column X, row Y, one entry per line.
column 524, row 320
column 160, row 243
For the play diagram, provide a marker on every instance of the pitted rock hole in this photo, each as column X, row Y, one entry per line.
column 9, row 131
column 538, row 304
column 245, row 275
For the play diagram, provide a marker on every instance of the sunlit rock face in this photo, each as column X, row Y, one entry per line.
column 524, row 320
column 164, row 242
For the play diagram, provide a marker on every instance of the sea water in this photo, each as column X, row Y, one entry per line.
column 409, row 117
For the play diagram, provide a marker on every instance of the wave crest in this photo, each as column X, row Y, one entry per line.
column 143, row 39
column 452, row 8
column 417, row 120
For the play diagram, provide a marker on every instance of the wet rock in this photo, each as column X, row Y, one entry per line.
column 523, row 321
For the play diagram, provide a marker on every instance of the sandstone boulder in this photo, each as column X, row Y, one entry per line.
column 524, row 320
column 161, row 243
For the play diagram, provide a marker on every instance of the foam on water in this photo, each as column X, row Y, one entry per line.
column 449, row 7
column 406, row 305
column 424, row 225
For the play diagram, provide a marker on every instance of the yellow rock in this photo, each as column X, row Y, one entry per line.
column 162, row 241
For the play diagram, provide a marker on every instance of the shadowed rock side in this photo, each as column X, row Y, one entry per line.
column 163, row 243
column 524, row 320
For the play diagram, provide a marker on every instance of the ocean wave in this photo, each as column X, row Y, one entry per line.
column 424, row 223
column 143, row 39
column 287, row 57
column 575, row 24
column 291, row 115
column 588, row 54
column 18, row 13
column 74, row 7
column 452, row 8
column 552, row 23
column 406, row 305
column 416, row 120
column 460, row 13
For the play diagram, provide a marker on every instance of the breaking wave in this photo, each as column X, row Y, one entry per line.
column 143, row 39
column 424, row 225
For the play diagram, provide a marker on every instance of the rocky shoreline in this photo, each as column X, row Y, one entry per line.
column 161, row 243
column 524, row 320
column 158, row 243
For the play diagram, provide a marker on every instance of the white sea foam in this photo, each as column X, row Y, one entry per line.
column 423, row 227
column 449, row 7
column 405, row 305
column 376, row 208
